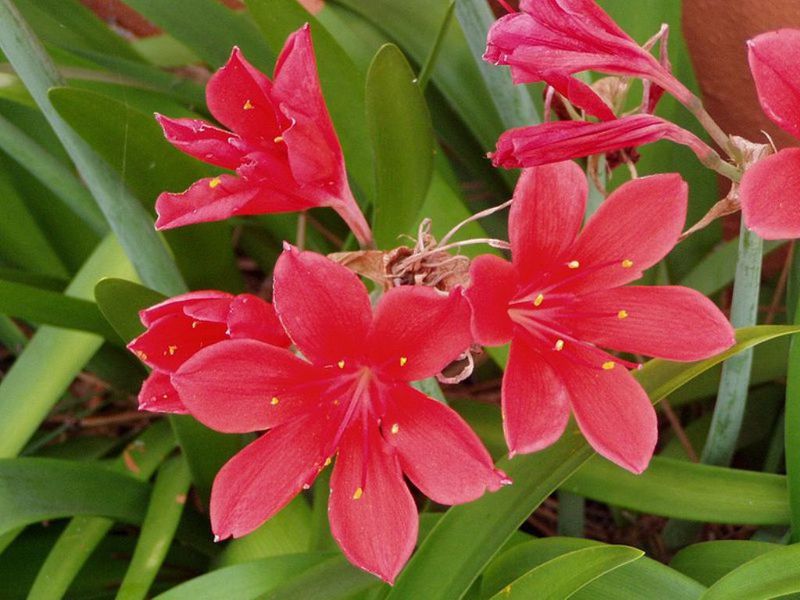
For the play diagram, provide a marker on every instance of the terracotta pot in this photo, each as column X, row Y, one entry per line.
column 716, row 32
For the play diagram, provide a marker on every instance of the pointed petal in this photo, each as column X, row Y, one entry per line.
column 324, row 307
column 493, row 284
column 438, row 451
column 546, row 216
column 372, row 514
column 417, row 332
column 261, row 479
column 238, row 386
column 579, row 94
column 564, row 140
column 535, row 404
column 238, row 96
column 252, row 318
column 203, row 141
column 177, row 305
column 670, row 322
column 777, row 76
column 158, row 395
column 173, row 339
column 613, row 412
column 631, row 231
column 770, row 195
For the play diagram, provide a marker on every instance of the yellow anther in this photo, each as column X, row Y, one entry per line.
column 327, row 461
column 274, row 400
column 358, row 493
column 141, row 355
column 623, row 314
column 403, row 361
column 277, row 139
column 195, row 324
column 340, row 364
column 573, row 264
column 214, row 182
column 627, row 263
column 171, row 350
column 609, row 365
column 395, row 428
column 248, row 105
column 538, row 300
column 559, row 345
column 336, row 402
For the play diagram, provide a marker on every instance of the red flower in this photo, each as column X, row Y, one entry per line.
column 550, row 40
column 282, row 146
column 561, row 299
column 350, row 397
column 179, row 327
column 561, row 140
column 770, row 189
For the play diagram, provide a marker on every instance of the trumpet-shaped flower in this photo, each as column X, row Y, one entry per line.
column 770, row 189
column 349, row 398
column 179, row 327
column 280, row 142
column 561, row 300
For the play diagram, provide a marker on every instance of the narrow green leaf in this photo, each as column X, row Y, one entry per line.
column 120, row 302
column 126, row 216
column 334, row 579
column 561, row 577
column 433, row 54
column 767, row 576
column 402, row 141
column 792, row 416
column 158, row 529
column 708, row 562
column 36, row 489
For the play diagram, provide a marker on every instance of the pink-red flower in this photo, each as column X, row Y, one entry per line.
column 179, row 327
column 551, row 40
column 561, row 300
column 349, row 397
column 770, row 189
column 280, row 141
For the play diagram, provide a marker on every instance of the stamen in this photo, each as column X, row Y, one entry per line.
column 573, row 264
column 607, row 366
column 195, row 324
column 559, row 345
column 623, row 314
column 214, row 182
column 395, row 428
column 171, row 350
column 277, row 139
column 403, row 361
column 327, row 461
column 248, row 105
column 627, row 263
column 538, row 300
column 340, row 364
column 274, row 401
column 141, row 355
column 358, row 493
column 507, row 6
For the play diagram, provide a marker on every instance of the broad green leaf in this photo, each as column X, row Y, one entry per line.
column 158, row 528
column 51, row 308
column 211, row 36
column 468, row 536
column 53, row 357
column 692, row 491
column 707, row 562
column 561, row 577
column 120, row 302
column 767, row 576
column 246, row 581
column 402, row 141
column 333, row 579
column 36, row 489
column 642, row 578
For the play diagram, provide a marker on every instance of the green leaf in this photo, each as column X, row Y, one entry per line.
column 158, row 529
column 708, row 562
column 692, row 491
column 561, row 577
column 402, row 141
column 767, row 576
column 120, row 302
column 246, row 581
column 36, row 489
column 333, row 579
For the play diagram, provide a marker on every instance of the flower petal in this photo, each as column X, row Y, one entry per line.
column 261, row 479
column 238, row 386
column 417, row 332
column 777, row 76
column 238, row 96
column 493, row 284
column 178, row 304
column 324, row 307
column 670, row 322
column 562, row 140
column 250, row 317
column 546, row 216
column 173, row 339
column 203, row 141
column 372, row 514
column 535, row 405
column 438, row 451
column 770, row 195
column 613, row 412
column 631, row 231
column 158, row 395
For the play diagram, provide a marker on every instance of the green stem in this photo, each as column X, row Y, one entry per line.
column 430, row 62
column 792, row 417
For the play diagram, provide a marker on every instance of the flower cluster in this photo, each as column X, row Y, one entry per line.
column 327, row 376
